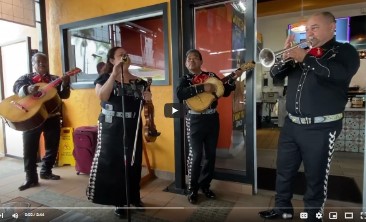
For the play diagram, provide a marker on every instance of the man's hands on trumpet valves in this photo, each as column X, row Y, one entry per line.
column 298, row 54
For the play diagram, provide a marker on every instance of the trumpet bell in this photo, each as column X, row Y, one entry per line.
column 267, row 57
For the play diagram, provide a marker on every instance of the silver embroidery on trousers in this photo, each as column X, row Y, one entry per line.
column 190, row 152
column 94, row 168
column 332, row 138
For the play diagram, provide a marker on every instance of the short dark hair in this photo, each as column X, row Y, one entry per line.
column 194, row 51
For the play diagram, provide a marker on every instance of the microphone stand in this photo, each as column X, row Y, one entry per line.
column 125, row 148
column 137, row 129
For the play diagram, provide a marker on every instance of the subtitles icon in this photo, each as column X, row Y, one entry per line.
column 333, row 215
column 174, row 110
column 303, row 215
column 348, row 215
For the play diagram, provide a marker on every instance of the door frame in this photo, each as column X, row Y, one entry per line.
column 27, row 40
column 187, row 42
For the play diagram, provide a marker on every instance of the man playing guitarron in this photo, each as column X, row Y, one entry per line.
column 202, row 127
column 51, row 128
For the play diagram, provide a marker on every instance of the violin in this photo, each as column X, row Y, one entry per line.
column 150, row 132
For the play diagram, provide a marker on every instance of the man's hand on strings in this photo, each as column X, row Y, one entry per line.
column 209, row 87
column 66, row 80
column 32, row 89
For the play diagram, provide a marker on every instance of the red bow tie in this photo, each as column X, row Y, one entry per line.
column 316, row 52
column 38, row 78
column 201, row 78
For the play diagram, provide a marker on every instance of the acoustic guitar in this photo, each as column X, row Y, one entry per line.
column 29, row 112
column 202, row 101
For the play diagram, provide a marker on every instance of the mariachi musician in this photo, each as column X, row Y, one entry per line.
column 318, row 81
column 202, row 127
column 51, row 128
column 107, row 182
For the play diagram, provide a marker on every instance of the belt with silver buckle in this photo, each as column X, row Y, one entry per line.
column 207, row 111
column 317, row 119
column 118, row 114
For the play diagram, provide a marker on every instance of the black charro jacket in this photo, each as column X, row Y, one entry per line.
column 318, row 86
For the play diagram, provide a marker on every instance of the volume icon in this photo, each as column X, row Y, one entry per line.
column 15, row 215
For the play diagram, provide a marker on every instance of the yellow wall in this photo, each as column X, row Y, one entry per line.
column 82, row 108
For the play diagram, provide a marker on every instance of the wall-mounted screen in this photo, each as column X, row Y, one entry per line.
column 358, row 32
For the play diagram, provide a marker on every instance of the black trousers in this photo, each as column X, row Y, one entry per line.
column 51, row 129
column 202, row 135
column 313, row 145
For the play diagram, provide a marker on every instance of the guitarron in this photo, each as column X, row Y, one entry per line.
column 202, row 101
column 29, row 112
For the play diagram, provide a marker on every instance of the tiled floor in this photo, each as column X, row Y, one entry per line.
column 233, row 201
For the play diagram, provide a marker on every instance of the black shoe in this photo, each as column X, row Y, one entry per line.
column 49, row 176
column 208, row 193
column 28, row 184
column 193, row 197
column 120, row 212
column 139, row 206
column 272, row 214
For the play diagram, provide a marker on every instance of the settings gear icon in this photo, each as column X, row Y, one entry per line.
column 319, row 215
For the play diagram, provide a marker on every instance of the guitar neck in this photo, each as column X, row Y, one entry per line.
column 57, row 81
column 246, row 67
column 226, row 78
column 52, row 84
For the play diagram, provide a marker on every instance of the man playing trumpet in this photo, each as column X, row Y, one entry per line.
column 316, row 97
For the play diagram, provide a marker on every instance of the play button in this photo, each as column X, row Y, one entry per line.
column 174, row 110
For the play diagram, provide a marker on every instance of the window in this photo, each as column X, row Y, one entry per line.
column 142, row 32
column 21, row 12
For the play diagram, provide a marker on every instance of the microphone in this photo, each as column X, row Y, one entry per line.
column 124, row 58
column 95, row 55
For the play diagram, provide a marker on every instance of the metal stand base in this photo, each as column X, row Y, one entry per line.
column 171, row 188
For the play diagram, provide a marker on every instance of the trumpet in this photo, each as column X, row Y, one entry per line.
column 268, row 58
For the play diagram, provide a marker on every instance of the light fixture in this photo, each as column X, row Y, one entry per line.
column 239, row 6
column 362, row 54
column 227, row 51
column 300, row 25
